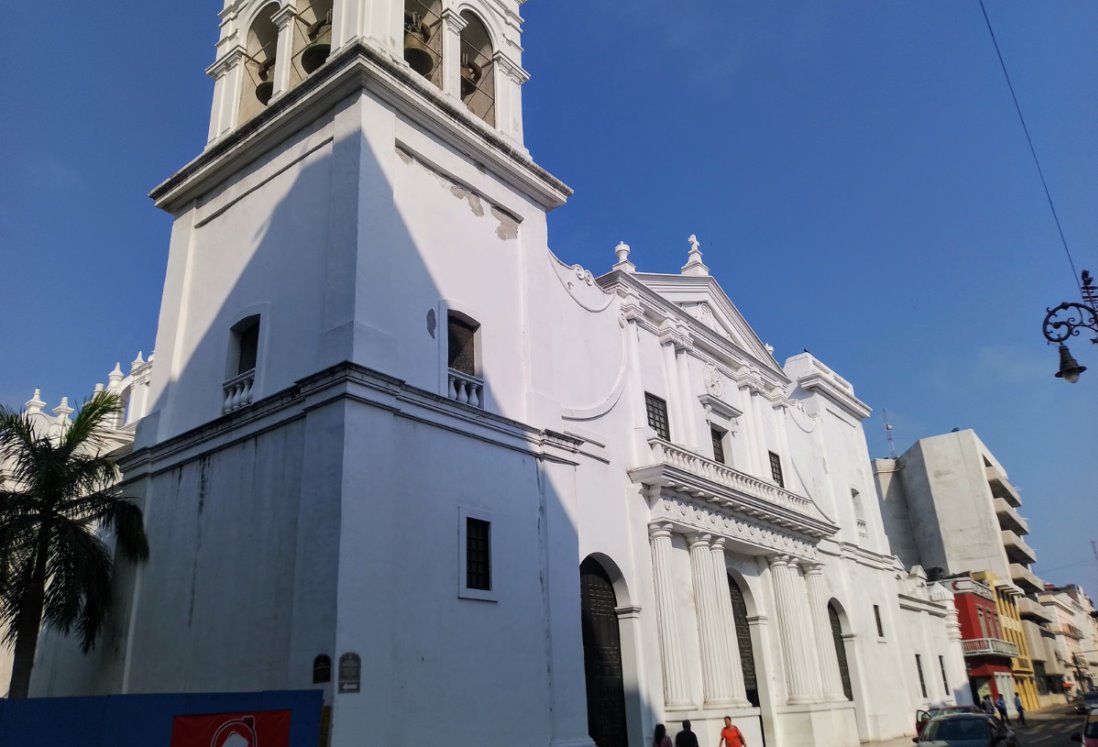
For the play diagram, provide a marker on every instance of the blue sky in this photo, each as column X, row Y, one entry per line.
column 854, row 170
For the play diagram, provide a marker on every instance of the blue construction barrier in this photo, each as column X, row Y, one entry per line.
column 146, row 720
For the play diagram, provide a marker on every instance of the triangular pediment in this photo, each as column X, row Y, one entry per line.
column 703, row 299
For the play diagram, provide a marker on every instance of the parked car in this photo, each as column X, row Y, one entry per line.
column 922, row 717
column 1085, row 701
column 1089, row 735
column 966, row 730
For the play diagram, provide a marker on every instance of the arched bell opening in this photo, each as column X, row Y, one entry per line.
column 257, row 83
column 423, row 34
column 478, row 79
column 312, row 39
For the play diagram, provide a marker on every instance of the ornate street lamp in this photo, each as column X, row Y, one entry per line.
column 1065, row 320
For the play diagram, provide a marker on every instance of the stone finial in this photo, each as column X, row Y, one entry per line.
column 769, row 348
column 622, row 251
column 98, row 388
column 694, row 264
column 137, row 362
column 63, row 410
column 35, row 404
column 115, row 375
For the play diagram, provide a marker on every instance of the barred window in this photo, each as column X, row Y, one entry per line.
column 776, row 469
column 945, row 680
column 478, row 554
column 718, row 445
column 657, row 415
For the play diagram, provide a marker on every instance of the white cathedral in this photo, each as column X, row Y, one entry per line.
column 393, row 448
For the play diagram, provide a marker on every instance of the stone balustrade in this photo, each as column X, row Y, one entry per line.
column 238, row 391
column 465, row 388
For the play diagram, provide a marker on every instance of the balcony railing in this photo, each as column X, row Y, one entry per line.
column 989, row 647
column 1016, row 547
column 465, row 388
column 1027, row 579
column 238, row 391
column 667, row 453
column 1009, row 518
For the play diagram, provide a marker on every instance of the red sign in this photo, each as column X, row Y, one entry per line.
column 249, row 729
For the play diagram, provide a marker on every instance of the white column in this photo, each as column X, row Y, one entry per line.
column 731, row 652
column 825, row 643
column 710, row 631
column 226, row 74
column 674, row 678
column 286, row 18
column 452, row 24
column 689, row 419
column 677, row 425
column 798, row 674
column 509, row 81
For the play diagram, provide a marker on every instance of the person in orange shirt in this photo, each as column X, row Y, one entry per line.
column 731, row 736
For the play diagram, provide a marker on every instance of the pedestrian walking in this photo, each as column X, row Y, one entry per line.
column 686, row 738
column 731, row 736
column 1021, row 711
column 660, row 738
column 1000, row 705
column 988, row 706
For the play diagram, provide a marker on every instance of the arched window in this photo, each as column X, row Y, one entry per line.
column 423, row 38
column 322, row 669
column 743, row 638
column 478, row 84
column 258, row 80
column 840, row 650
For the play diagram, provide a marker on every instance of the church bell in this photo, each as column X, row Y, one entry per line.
column 319, row 47
column 470, row 76
column 265, row 87
column 416, row 53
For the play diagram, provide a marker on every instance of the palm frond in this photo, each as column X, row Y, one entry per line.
column 89, row 427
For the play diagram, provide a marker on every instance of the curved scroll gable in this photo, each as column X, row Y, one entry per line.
column 580, row 284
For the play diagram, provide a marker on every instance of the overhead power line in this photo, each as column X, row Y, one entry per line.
column 1029, row 140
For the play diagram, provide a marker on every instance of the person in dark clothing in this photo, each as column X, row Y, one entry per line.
column 686, row 738
column 1000, row 706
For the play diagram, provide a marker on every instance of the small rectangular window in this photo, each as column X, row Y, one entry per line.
column 945, row 680
column 919, row 666
column 657, row 416
column 461, row 353
column 478, row 554
column 776, row 469
column 877, row 617
column 718, row 444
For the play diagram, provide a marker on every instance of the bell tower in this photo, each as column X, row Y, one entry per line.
column 468, row 51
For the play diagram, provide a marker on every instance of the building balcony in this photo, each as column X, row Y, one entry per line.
column 1017, row 549
column 1031, row 610
column 1026, row 579
column 685, row 471
column 1021, row 664
column 990, row 647
column 1001, row 487
column 1009, row 518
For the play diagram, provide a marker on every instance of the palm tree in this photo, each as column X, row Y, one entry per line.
column 58, row 498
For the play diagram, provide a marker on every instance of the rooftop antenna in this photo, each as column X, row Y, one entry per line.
column 888, row 434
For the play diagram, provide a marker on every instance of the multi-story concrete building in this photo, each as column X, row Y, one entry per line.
column 948, row 505
column 1076, row 635
column 396, row 450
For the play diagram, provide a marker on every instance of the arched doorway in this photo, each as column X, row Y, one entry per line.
column 840, row 649
column 602, row 657
column 743, row 638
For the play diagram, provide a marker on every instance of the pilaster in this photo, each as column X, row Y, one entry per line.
column 285, row 18
column 452, row 25
column 674, row 678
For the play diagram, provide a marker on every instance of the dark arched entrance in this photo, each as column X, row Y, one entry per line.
column 743, row 638
column 840, row 650
column 602, row 657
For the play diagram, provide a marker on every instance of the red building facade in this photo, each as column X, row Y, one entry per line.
column 987, row 652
